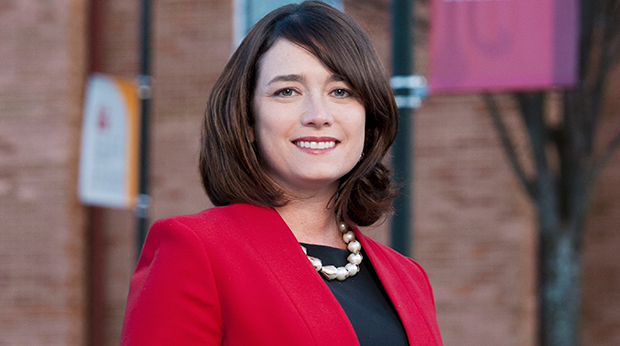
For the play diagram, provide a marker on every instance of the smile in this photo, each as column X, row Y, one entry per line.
column 315, row 145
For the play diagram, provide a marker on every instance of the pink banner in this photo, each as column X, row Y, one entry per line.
column 479, row 45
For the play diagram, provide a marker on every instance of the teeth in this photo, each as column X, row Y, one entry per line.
column 316, row 145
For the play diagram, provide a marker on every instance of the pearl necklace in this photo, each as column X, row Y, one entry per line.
column 331, row 272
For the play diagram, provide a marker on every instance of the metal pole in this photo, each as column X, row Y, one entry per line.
column 402, row 151
column 96, row 214
column 144, row 93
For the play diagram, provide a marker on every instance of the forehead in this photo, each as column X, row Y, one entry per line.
column 288, row 58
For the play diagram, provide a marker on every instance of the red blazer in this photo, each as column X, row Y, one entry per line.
column 236, row 275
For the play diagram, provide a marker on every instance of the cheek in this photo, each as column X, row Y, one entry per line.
column 273, row 121
column 268, row 135
column 262, row 138
column 266, row 129
column 261, row 125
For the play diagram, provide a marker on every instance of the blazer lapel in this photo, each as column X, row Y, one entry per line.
column 278, row 247
column 403, row 291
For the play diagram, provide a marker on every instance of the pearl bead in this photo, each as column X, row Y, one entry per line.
column 341, row 273
column 330, row 272
column 342, row 227
column 348, row 237
column 352, row 269
column 316, row 263
column 354, row 246
column 355, row 258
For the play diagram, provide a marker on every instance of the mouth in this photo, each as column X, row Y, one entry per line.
column 315, row 145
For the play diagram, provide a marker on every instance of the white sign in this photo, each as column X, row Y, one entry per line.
column 109, row 149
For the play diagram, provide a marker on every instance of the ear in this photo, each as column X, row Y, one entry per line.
column 251, row 135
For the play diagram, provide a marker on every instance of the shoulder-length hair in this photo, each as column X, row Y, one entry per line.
column 229, row 163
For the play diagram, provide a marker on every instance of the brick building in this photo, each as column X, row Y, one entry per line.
column 475, row 231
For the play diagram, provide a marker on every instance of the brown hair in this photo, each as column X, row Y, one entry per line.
column 229, row 164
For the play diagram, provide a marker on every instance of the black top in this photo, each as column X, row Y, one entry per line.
column 363, row 299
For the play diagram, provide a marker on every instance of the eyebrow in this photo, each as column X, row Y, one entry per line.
column 300, row 78
column 286, row 78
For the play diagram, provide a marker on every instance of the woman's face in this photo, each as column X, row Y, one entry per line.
column 309, row 126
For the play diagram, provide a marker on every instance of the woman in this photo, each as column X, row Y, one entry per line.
column 293, row 138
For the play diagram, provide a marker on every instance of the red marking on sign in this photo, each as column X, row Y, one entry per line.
column 102, row 119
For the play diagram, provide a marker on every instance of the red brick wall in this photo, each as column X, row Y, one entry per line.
column 42, row 49
column 190, row 45
column 474, row 229
column 120, row 56
column 601, row 267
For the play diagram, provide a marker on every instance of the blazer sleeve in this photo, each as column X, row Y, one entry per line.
column 173, row 298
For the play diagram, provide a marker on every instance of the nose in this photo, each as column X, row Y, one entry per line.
column 316, row 112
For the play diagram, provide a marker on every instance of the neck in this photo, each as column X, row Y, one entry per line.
column 312, row 222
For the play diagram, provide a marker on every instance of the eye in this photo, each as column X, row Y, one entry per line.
column 341, row 93
column 286, row 92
